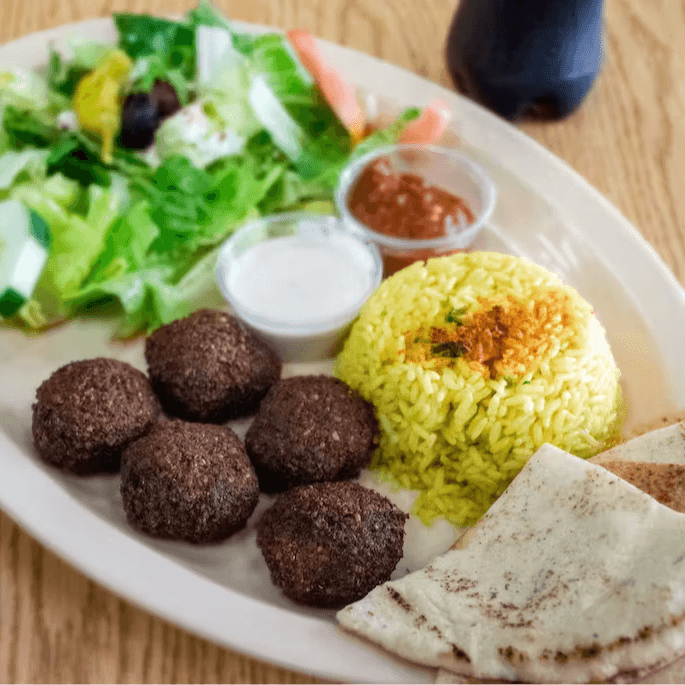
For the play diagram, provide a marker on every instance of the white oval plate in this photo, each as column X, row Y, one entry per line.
column 223, row 592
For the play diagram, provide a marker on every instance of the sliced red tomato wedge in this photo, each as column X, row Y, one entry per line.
column 432, row 123
column 341, row 96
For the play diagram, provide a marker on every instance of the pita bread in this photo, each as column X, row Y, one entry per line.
column 660, row 422
column 661, row 446
column 573, row 575
column 653, row 461
column 664, row 482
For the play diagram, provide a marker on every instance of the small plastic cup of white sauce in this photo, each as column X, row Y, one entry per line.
column 298, row 280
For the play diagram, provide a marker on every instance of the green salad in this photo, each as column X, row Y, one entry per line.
column 124, row 167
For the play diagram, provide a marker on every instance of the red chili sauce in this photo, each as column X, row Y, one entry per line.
column 403, row 206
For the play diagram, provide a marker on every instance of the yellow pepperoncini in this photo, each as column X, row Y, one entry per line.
column 96, row 101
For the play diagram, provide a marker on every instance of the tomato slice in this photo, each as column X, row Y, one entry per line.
column 432, row 123
column 341, row 96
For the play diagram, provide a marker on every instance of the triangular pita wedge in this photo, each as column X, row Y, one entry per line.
column 573, row 575
column 659, row 422
column 662, row 446
column 653, row 461
column 664, row 482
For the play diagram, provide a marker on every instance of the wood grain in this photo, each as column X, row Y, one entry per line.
column 628, row 140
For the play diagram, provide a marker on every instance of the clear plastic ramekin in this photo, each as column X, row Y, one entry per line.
column 444, row 168
column 298, row 280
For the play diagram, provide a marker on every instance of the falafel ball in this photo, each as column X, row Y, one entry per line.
column 329, row 544
column 207, row 368
column 310, row 429
column 88, row 411
column 188, row 481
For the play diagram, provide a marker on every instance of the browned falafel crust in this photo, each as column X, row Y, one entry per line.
column 329, row 544
column 310, row 429
column 88, row 411
column 188, row 481
column 207, row 367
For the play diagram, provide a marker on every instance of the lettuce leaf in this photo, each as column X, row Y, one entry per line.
column 260, row 78
column 28, row 91
column 205, row 14
column 127, row 243
column 194, row 207
column 151, row 68
column 171, row 42
column 130, row 292
column 29, row 163
column 79, row 220
column 153, row 295
column 77, row 156
column 204, row 132
column 29, row 128
column 65, row 71
column 28, row 110
column 77, row 239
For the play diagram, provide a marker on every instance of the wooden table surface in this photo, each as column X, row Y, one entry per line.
column 628, row 140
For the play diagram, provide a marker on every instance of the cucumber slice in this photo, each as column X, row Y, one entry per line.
column 24, row 248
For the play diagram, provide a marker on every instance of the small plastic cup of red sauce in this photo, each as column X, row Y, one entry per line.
column 415, row 201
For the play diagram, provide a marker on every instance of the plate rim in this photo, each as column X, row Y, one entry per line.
column 550, row 176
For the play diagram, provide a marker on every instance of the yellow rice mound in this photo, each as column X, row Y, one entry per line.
column 459, row 425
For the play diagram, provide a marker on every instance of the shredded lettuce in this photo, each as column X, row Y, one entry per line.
column 76, row 155
column 219, row 65
column 28, row 110
column 27, row 128
column 149, row 69
column 170, row 43
column 78, row 238
column 79, row 220
column 204, row 132
column 205, row 14
column 27, row 91
column 31, row 162
column 65, row 71
column 152, row 295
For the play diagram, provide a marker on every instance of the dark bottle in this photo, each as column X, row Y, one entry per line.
column 518, row 55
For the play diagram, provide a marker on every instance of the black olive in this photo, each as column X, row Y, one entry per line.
column 139, row 120
column 164, row 96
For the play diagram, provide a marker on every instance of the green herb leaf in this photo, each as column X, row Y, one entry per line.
column 454, row 315
column 448, row 349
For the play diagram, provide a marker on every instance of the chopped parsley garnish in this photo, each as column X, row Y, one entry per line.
column 448, row 349
column 454, row 315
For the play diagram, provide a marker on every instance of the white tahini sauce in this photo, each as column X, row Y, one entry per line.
column 299, row 280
